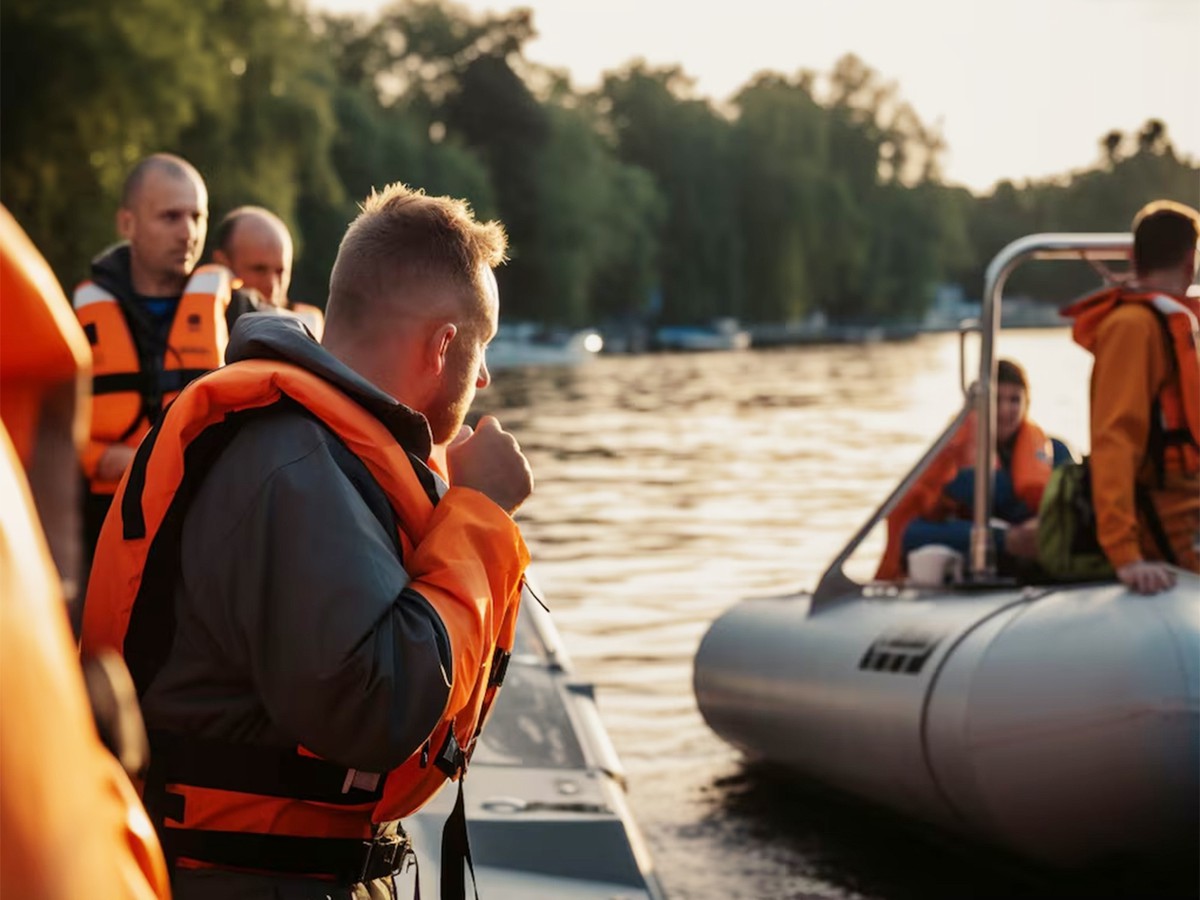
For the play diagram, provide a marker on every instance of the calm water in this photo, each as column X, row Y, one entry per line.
column 669, row 487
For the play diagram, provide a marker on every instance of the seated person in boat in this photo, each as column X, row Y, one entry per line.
column 938, row 508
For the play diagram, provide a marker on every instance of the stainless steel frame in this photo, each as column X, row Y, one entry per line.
column 1092, row 248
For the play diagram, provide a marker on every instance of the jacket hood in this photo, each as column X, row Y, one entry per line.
column 111, row 271
column 278, row 336
column 1089, row 311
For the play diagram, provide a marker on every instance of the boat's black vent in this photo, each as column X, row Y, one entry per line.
column 903, row 652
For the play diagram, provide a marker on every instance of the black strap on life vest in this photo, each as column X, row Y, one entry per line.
column 1154, row 523
column 250, row 769
column 1161, row 440
column 456, row 850
column 168, row 381
column 348, row 860
column 150, row 387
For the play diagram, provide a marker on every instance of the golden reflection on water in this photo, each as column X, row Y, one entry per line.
column 670, row 486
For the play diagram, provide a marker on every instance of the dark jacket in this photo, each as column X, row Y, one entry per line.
column 292, row 627
column 111, row 271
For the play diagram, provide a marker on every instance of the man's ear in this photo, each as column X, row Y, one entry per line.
column 221, row 259
column 439, row 345
column 125, row 223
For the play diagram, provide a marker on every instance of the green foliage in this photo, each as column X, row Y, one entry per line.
column 86, row 90
column 686, row 147
column 811, row 193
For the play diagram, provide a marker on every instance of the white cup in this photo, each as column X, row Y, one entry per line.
column 934, row 565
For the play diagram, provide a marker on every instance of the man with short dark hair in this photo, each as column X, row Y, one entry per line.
column 256, row 246
column 1145, row 403
column 154, row 320
column 314, row 574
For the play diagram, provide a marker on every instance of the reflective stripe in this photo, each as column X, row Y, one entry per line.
column 1169, row 306
column 88, row 293
column 208, row 280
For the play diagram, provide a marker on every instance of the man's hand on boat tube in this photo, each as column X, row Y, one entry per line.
column 1144, row 577
column 490, row 460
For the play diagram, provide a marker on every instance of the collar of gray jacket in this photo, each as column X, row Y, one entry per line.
column 268, row 335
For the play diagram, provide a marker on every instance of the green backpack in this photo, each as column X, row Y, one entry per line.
column 1067, row 546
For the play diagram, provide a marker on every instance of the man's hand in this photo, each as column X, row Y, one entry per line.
column 490, row 461
column 114, row 461
column 1143, row 577
column 1020, row 541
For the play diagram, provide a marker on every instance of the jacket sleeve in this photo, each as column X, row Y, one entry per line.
column 1127, row 375
column 296, row 583
column 469, row 565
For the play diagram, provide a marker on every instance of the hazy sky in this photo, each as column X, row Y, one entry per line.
column 1021, row 88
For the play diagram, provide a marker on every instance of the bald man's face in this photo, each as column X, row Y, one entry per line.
column 165, row 224
column 261, row 257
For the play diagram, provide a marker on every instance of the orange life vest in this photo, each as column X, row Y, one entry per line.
column 1175, row 442
column 1030, row 467
column 129, row 390
column 127, row 581
column 71, row 824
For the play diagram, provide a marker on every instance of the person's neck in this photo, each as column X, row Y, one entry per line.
column 1163, row 282
column 382, row 367
column 150, row 284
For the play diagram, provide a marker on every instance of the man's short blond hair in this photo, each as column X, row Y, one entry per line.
column 403, row 240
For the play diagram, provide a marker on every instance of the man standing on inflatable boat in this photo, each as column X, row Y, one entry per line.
column 315, row 623
column 1145, row 402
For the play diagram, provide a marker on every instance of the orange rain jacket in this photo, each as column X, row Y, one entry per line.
column 326, row 601
column 71, row 824
column 1145, row 419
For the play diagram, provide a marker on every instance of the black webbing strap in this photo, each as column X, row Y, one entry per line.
column 1146, row 505
column 166, row 381
column 456, row 849
column 348, row 860
column 250, row 769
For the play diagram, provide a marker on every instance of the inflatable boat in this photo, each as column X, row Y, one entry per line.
column 1060, row 722
column 545, row 791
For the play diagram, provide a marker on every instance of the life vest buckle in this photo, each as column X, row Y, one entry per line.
column 384, row 856
column 450, row 759
column 499, row 667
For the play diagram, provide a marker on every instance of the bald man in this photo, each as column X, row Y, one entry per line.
column 256, row 246
column 154, row 320
column 342, row 574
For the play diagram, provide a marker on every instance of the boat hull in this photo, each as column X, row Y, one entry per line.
column 1061, row 724
column 544, row 795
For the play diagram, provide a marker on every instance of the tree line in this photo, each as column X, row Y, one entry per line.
column 805, row 193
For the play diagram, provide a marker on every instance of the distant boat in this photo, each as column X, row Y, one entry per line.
column 723, row 334
column 530, row 344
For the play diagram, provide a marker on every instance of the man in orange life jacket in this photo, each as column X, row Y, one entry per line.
column 1145, row 403
column 255, row 245
column 315, row 621
column 154, row 319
